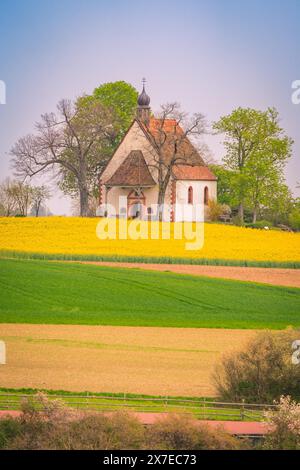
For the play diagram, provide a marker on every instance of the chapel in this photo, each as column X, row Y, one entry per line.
column 154, row 152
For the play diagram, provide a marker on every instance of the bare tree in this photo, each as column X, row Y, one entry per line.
column 40, row 194
column 7, row 198
column 22, row 194
column 69, row 141
column 93, row 204
column 172, row 138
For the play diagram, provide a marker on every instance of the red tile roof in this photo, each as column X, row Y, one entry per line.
column 132, row 172
column 188, row 172
column 168, row 133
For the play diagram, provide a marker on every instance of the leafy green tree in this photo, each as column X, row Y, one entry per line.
column 278, row 202
column 294, row 219
column 76, row 142
column 256, row 150
column 227, row 184
column 264, row 174
column 119, row 100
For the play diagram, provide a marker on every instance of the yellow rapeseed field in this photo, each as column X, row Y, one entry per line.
column 77, row 236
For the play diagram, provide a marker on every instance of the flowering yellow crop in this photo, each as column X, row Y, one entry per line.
column 77, row 236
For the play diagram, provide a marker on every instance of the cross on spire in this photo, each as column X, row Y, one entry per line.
column 143, row 109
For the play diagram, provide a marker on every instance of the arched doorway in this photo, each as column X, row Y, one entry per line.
column 135, row 204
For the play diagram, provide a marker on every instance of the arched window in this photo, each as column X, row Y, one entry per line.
column 190, row 195
column 206, row 195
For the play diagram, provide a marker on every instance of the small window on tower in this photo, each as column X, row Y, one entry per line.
column 190, row 195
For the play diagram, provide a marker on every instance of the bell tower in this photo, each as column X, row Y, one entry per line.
column 143, row 109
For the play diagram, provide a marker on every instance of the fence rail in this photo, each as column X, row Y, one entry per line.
column 201, row 408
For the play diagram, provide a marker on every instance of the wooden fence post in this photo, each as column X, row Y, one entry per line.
column 243, row 410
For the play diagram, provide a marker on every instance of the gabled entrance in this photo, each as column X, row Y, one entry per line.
column 136, row 203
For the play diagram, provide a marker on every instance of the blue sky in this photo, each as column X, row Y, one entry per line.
column 209, row 55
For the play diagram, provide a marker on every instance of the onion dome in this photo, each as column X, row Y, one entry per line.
column 143, row 99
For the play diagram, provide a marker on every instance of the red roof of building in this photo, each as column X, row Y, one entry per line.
column 132, row 172
column 168, row 137
column 188, row 172
column 166, row 134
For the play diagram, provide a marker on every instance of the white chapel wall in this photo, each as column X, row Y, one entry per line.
column 182, row 188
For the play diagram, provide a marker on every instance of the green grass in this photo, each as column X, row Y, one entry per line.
column 150, row 259
column 58, row 293
column 201, row 407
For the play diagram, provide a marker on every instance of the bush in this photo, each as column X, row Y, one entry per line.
column 9, row 429
column 294, row 220
column 86, row 432
column 285, row 426
column 215, row 210
column 120, row 431
column 40, row 423
column 179, row 432
column 46, row 425
column 236, row 220
column 262, row 372
column 260, row 224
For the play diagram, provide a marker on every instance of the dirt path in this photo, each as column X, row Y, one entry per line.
column 275, row 276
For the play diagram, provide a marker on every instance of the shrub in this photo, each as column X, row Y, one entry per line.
column 215, row 210
column 260, row 224
column 87, row 432
column 46, row 425
column 236, row 220
column 42, row 420
column 9, row 429
column 285, row 426
column 40, row 408
column 179, row 432
column 294, row 219
column 262, row 372
column 119, row 430
column 49, row 424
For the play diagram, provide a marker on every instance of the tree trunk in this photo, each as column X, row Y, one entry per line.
column 84, row 199
column 160, row 202
column 163, row 184
column 241, row 213
column 254, row 215
column 37, row 209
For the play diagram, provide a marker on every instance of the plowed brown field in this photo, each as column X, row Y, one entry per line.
column 275, row 276
column 158, row 361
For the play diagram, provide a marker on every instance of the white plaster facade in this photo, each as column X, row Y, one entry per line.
column 198, row 188
column 177, row 190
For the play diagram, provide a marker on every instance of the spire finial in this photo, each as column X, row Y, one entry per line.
column 143, row 109
column 143, row 99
